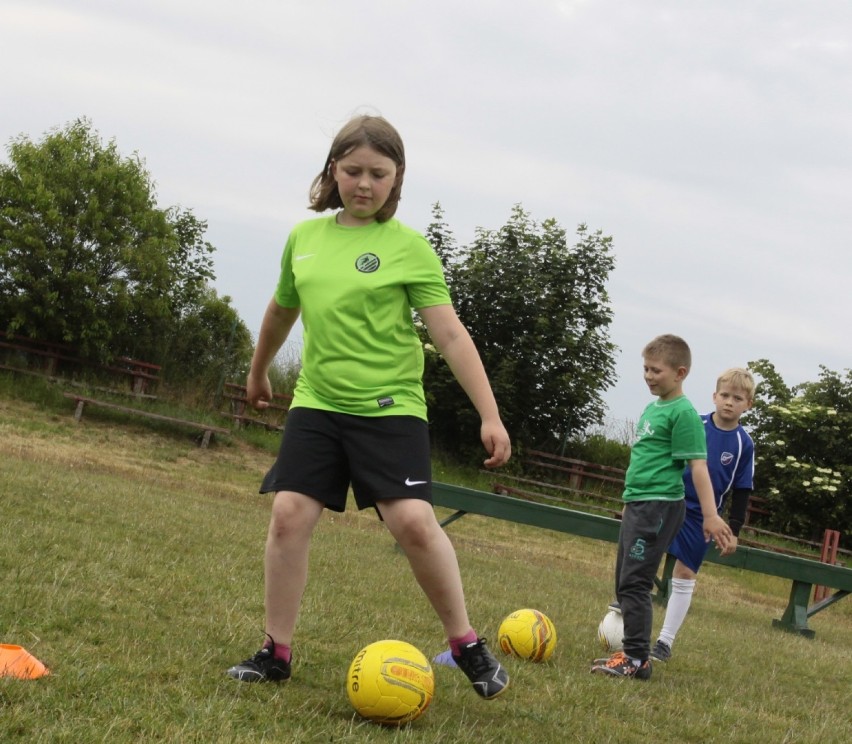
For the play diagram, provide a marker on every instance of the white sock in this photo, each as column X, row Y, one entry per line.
column 677, row 608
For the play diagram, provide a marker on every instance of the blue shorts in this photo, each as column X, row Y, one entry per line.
column 689, row 546
column 382, row 457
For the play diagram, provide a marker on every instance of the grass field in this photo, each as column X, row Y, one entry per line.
column 132, row 566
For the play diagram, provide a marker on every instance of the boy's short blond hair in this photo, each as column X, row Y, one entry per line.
column 673, row 350
column 738, row 378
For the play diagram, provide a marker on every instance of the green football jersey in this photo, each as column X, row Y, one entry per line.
column 356, row 287
column 669, row 433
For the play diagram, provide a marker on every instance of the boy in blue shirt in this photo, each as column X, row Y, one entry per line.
column 670, row 435
column 730, row 461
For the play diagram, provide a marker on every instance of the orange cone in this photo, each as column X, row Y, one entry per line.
column 18, row 662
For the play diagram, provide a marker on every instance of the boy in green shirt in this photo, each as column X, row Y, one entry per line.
column 670, row 435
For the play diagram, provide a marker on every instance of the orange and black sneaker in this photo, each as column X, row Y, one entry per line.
column 604, row 659
column 622, row 665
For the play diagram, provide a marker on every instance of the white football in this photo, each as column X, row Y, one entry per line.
column 611, row 631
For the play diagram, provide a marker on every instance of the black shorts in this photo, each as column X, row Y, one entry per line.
column 382, row 457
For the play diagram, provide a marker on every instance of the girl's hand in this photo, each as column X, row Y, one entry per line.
column 258, row 391
column 497, row 444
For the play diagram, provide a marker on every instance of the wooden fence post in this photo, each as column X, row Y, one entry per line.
column 830, row 543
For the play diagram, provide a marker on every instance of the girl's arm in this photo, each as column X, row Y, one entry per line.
column 276, row 326
column 454, row 343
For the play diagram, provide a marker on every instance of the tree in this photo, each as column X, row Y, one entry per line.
column 86, row 257
column 161, row 313
column 441, row 237
column 538, row 312
column 78, row 232
column 803, row 444
column 209, row 343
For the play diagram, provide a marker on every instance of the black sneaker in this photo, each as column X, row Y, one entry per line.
column 262, row 667
column 661, row 651
column 487, row 674
column 621, row 665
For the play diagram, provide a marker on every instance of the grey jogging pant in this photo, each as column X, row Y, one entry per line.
column 647, row 529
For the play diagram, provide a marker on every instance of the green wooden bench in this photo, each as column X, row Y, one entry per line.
column 804, row 573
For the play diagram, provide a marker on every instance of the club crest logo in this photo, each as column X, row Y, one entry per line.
column 637, row 550
column 367, row 263
column 727, row 458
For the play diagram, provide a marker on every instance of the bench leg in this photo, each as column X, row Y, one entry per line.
column 664, row 582
column 827, row 602
column 78, row 412
column 795, row 619
column 206, row 439
column 452, row 518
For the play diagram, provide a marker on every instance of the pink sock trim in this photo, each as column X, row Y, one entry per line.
column 457, row 643
column 282, row 652
column 279, row 650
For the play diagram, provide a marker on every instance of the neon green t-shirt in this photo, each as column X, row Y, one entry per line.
column 356, row 287
column 669, row 433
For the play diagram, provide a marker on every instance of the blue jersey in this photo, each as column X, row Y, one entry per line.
column 730, row 460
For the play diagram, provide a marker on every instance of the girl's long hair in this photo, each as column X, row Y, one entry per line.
column 375, row 132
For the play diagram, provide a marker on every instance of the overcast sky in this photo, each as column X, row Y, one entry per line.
column 712, row 140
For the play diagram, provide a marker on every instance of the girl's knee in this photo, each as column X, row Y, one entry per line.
column 292, row 514
column 415, row 530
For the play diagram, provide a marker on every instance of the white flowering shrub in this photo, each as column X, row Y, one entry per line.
column 803, row 452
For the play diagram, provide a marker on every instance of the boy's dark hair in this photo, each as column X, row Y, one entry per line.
column 673, row 350
column 375, row 132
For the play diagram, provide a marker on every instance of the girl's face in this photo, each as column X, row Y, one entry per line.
column 365, row 179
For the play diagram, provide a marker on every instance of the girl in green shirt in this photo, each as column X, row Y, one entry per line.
column 358, row 416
